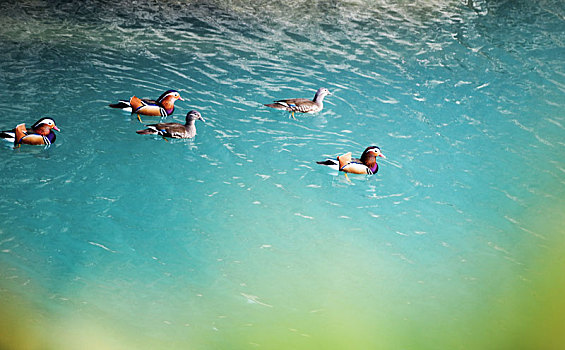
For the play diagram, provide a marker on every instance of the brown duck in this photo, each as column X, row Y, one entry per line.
column 302, row 105
column 174, row 130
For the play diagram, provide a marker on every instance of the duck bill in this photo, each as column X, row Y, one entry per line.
column 382, row 155
column 56, row 128
column 180, row 98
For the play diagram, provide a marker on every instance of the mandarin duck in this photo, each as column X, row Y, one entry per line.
column 367, row 164
column 40, row 133
column 162, row 107
column 302, row 105
column 174, row 130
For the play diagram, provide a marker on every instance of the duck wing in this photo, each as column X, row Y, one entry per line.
column 352, row 165
column 172, row 130
column 297, row 105
column 149, row 102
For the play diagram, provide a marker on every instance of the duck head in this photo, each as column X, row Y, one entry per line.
column 45, row 124
column 167, row 100
column 192, row 116
column 369, row 158
column 372, row 151
column 320, row 94
column 171, row 95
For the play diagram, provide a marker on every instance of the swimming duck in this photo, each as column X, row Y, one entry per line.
column 302, row 105
column 174, row 130
column 162, row 107
column 40, row 133
column 367, row 164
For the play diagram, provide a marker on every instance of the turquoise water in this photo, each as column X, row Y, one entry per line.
column 237, row 239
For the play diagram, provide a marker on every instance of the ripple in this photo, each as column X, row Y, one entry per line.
column 465, row 99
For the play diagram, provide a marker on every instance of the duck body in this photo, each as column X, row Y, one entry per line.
column 302, row 105
column 174, row 130
column 162, row 107
column 40, row 133
column 367, row 164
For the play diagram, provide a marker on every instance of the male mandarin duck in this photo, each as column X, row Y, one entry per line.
column 302, row 105
column 162, row 107
column 40, row 133
column 367, row 164
column 174, row 130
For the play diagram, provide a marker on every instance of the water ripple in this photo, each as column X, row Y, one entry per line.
column 464, row 98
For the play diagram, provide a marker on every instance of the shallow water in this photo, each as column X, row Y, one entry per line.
column 237, row 239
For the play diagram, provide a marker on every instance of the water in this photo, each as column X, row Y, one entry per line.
column 237, row 239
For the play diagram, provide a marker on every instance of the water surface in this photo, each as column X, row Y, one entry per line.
column 237, row 239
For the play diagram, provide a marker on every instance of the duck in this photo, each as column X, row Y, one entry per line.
column 162, row 107
column 367, row 164
column 40, row 133
column 174, row 130
column 302, row 105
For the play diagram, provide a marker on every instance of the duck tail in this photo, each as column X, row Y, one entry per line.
column 122, row 104
column 275, row 106
column 147, row 132
column 151, row 130
column 331, row 163
column 327, row 162
column 8, row 135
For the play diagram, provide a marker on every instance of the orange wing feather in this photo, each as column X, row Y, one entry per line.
column 344, row 159
column 347, row 166
column 23, row 137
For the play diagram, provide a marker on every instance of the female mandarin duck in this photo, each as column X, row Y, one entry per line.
column 162, row 107
column 41, row 133
column 366, row 165
column 302, row 105
column 174, row 130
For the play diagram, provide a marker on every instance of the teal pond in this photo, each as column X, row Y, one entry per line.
column 237, row 239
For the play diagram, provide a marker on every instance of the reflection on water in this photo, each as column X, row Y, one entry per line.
column 237, row 239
